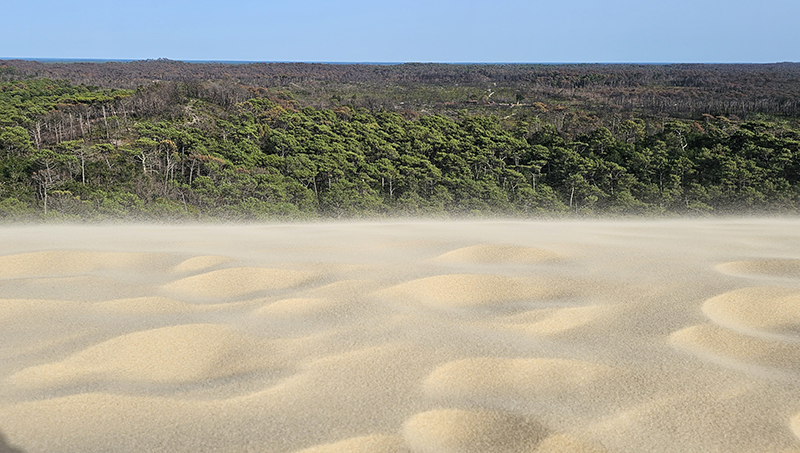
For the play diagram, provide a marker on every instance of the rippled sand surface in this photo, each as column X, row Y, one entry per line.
column 425, row 337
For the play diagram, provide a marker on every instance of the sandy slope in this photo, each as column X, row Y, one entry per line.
column 416, row 337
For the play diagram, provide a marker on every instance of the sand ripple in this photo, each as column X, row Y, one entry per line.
column 463, row 431
column 497, row 254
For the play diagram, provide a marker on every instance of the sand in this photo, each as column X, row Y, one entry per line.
column 402, row 337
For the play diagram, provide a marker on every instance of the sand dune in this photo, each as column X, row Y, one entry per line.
column 199, row 263
column 498, row 254
column 689, row 420
column 174, row 354
column 88, row 288
column 465, row 290
column 69, row 262
column 462, row 431
column 407, row 336
column 556, row 320
column 770, row 309
column 93, row 421
column 364, row 444
column 562, row 443
column 13, row 311
column 494, row 377
column 343, row 289
column 795, row 424
column 296, row 307
column 235, row 282
column 740, row 351
column 147, row 305
column 767, row 267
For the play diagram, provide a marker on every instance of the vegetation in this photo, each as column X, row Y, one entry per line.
column 106, row 141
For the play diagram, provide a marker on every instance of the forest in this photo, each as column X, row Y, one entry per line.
column 166, row 140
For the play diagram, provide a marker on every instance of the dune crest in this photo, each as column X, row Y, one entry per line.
column 497, row 254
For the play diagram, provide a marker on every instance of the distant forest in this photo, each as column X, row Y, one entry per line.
column 161, row 139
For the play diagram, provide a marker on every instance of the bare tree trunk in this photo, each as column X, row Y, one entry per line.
column 38, row 136
column 80, row 123
column 571, row 195
column 105, row 121
column 191, row 172
column 83, row 166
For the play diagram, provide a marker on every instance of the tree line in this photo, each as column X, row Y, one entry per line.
column 215, row 149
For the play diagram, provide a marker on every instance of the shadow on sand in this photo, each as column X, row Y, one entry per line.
column 5, row 447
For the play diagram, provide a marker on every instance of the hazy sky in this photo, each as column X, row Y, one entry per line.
column 401, row 31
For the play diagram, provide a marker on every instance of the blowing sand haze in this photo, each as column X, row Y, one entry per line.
column 424, row 337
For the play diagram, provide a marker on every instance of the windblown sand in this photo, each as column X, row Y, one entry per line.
column 415, row 337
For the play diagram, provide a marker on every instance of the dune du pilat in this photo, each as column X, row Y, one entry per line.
column 399, row 258
column 448, row 336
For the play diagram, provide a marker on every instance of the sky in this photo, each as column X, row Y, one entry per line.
column 446, row 31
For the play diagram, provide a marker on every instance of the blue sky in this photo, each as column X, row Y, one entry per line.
column 553, row 31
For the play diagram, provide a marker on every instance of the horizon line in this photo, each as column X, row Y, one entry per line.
column 375, row 63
